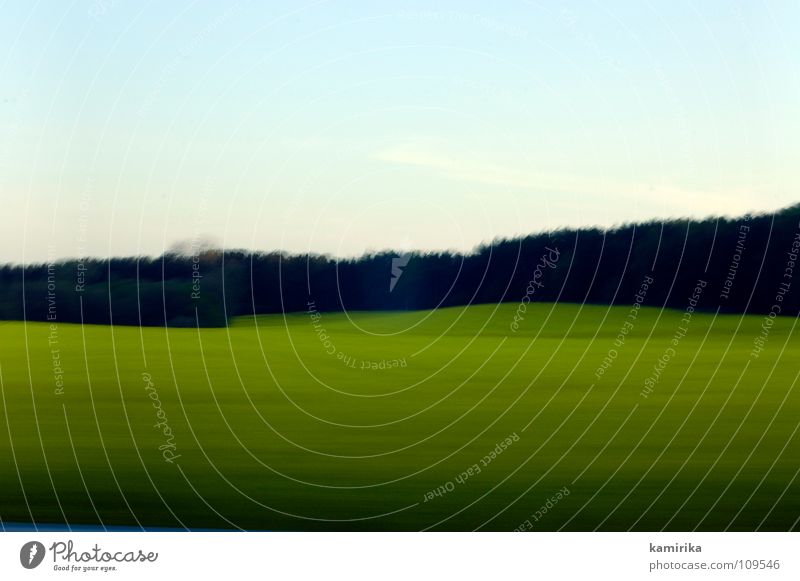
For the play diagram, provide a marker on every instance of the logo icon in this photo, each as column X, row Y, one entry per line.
column 398, row 264
column 31, row 554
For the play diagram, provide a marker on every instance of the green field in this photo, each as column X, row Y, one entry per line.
column 274, row 427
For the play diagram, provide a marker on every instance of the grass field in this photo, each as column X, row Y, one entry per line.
column 405, row 421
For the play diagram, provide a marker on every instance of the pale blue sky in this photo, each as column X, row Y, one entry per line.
column 347, row 126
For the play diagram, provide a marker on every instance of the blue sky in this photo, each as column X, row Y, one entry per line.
column 341, row 127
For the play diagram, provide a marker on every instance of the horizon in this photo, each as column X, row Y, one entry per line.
column 183, row 248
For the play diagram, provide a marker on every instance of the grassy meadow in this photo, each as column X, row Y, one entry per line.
column 443, row 420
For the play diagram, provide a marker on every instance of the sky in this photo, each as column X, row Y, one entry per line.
column 343, row 127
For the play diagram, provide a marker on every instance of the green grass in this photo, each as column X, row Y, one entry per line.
column 274, row 433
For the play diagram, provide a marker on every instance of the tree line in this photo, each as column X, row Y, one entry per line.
column 743, row 261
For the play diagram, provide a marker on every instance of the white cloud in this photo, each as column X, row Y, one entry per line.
column 616, row 199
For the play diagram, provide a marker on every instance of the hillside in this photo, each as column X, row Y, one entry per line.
column 378, row 420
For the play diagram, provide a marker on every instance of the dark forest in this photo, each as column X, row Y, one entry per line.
column 747, row 262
